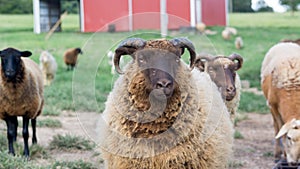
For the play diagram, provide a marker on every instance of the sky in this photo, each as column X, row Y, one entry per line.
column 272, row 3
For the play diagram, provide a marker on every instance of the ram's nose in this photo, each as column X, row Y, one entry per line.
column 166, row 85
column 10, row 73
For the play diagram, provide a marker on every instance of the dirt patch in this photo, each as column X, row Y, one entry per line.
column 255, row 150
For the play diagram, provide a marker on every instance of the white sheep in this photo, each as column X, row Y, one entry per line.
column 226, row 34
column 239, row 42
column 232, row 30
column 222, row 71
column 21, row 88
column 160, row 114
column 110, row 56
column 280, row 82
column 201, row 27
column 48, row 66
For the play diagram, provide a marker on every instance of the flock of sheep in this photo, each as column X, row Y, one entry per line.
column 227, row 33
column 48, row 63
column 163, row 113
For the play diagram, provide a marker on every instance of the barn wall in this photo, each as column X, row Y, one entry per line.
column 146, row 14
column 99, row 13
column 178, row 13
column 214, row 12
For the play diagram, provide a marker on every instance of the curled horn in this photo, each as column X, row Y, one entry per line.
column 185, row 43
column 237, row 57
column 127, row 47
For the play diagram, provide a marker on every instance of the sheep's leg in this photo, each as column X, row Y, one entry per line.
column 11, row 132
column 15, row 121
column 276, row 120
column 50, row 79
column 25, row 135
column 33, row 124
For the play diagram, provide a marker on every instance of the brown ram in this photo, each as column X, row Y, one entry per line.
column 222, row 71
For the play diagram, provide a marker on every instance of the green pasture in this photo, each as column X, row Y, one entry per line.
column 87, row 87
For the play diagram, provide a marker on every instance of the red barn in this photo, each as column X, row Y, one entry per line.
column 127, row 15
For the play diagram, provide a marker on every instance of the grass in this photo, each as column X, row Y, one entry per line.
column 251, row 102
column 51, row 123
column 68, row 142
column 8, row 161
column 238, row 135
column 268, row 154
column 3, row 142
column 71, row 165
column 274, row 20
column 86, row 88
column 38, row 152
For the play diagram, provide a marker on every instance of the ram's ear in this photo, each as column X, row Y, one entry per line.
column 285, row 128
column 201, row 60
column 200, row 64
column 26, row 53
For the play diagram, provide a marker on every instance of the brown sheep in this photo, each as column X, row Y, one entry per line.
column 238, row 42
column 70, row 57
column 21, row 94
column 280, row 82
column 222, row 71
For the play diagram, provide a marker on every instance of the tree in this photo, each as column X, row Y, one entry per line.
column 261, row 6
column 70, row 5
column 16, row 6
column 292, row 4
column 241, row 6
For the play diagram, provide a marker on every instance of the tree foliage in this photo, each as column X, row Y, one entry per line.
column 292, row 4
column 16, row 6
column 26, row 7
column 262, row 6
column 72, row 6
column 241, row 6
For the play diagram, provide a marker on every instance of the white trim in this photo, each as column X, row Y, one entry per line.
column 226, row 12
column 130, row 19
column 81, row 13
column 163, row 18
column 198, row 11
column 192, row 13
column 36, row 17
